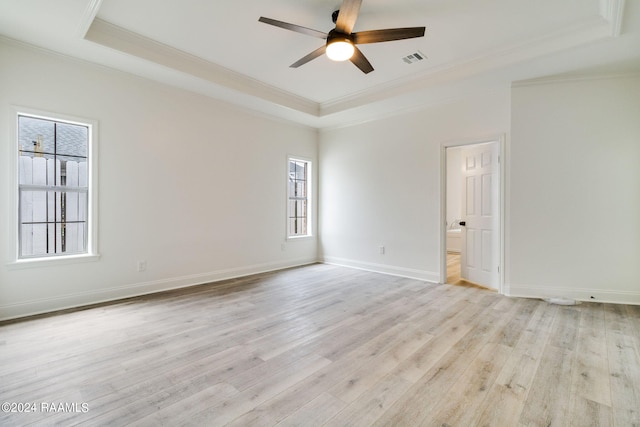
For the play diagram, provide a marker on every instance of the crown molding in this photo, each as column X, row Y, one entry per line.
column 598, row 27
column 115, row 37
column 255, row 108
column 605, row 24
column 588, row 31
column 574, row 78
column 613, row 12
column 88, row 16
column 383, row 114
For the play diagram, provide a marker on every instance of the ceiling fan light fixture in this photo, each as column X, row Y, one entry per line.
column 340, row 49
column 340, row 43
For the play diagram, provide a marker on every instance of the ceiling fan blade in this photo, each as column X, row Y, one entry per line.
column 313, row 55
column 293, row 27
column 361, row 61
column 348, row 16
column 376, row 36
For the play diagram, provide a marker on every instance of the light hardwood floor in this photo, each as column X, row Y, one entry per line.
column 326, row 345
column 453, row 267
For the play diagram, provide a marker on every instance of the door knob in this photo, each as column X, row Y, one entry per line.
column 463, row 223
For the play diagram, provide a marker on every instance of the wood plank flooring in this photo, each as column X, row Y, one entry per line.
column 324, row 345
column 453, row 267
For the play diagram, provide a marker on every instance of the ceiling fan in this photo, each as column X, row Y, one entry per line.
column 341, row 41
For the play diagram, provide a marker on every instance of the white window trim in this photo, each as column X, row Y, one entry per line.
column 15, row 262
column 310, row 194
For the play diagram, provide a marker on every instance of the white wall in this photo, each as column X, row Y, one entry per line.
column 380, row 184
column 574, row 190
column 210, row 200
column 195, row 187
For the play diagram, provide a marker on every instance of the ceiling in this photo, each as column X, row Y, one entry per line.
column 219, row 49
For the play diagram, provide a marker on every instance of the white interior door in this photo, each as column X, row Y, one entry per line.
column 480, row 213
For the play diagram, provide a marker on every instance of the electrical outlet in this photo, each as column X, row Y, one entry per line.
column 381, row 249
column 142, row 265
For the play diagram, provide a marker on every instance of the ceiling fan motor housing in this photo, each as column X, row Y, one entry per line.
column 337, row 36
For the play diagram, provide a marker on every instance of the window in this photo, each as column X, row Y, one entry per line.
column 299, row 203
column 54, row 187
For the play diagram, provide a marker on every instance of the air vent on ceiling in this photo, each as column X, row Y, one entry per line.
column 414, row 57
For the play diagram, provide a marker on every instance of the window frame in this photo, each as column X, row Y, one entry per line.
column 91, row 254
column 309, row 198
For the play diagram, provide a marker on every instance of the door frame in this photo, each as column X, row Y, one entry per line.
column 501, row 141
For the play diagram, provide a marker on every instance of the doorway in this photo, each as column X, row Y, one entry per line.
column 472, row 212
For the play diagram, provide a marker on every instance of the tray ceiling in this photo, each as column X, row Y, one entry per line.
column 221, row 50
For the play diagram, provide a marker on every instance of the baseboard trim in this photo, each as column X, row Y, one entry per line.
column 81, row 299
column 580, row 294
column 392, row 270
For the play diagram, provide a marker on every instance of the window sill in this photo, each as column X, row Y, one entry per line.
column 310, row 236
column 53, row 261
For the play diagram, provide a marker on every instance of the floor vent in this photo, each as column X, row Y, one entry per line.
column 414, row 57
